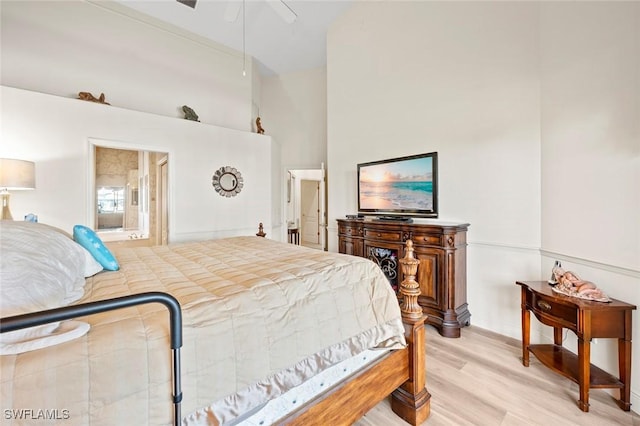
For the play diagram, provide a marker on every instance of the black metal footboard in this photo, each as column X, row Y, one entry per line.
column 19, row 322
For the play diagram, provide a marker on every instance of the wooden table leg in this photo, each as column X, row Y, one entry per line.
column 584, row 363
column 624, row 365
column 526, row 320
column 557, row 336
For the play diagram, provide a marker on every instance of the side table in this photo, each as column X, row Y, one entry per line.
column 294, row 236
column 588, row 320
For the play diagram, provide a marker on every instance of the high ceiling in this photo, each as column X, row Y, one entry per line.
column 279, row 47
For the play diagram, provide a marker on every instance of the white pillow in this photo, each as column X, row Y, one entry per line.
column 40, row 268
column 91, row 265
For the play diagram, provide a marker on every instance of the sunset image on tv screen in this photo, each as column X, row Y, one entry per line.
column 403, row 185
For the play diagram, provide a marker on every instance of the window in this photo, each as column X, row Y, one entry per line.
column 110, row 200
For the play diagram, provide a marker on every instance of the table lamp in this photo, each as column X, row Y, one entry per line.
column 14, row 175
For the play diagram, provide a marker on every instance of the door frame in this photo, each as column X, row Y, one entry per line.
column 162, row 200
column 288, row 196
column 92, row 143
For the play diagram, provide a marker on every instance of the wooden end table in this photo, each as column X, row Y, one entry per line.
column 588, row 320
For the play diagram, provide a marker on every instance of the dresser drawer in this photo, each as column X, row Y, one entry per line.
column 563, row 315
column 426, row 239
column 352, row 231
column 383, row 235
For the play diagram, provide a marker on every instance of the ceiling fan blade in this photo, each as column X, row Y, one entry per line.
column 283, row 10
column 190, row 3
column 232, row 10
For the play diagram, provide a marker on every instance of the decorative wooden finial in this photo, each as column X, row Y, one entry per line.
column 261, row 232
column 409, row 287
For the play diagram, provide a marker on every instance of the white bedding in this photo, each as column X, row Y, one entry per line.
column 41, row 268
column 260, row 317
column 296, row 397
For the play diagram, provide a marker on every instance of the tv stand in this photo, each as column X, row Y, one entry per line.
column 394, row 219
column 442, row 272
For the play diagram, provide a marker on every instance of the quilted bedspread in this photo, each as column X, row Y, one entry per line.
column 259, row 317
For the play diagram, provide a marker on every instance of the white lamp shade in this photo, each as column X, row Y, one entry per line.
column 17, row 174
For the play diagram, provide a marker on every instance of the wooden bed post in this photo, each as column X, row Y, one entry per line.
column 412, row 401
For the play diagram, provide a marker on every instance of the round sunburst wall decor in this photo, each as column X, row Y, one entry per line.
column 227, row 181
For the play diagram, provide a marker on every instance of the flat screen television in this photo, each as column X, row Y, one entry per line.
column 399, row 187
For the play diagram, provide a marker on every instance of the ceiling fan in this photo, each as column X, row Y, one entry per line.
column 233, row 9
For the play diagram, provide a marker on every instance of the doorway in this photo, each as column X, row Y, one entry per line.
column 305, row 207
column 128, row 197
column 310, row 213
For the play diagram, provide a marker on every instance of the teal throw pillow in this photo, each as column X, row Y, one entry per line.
column 88, row 239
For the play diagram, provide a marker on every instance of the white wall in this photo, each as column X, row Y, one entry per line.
column 54, row 132
column 62, row 47
column 66, row 47
column 459, row 79
column 590, row 85
column 294, row 112
column 420, row 77
column 533, row 110
column 590, row 91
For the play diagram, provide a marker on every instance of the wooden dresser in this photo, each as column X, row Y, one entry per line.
column 442, row 274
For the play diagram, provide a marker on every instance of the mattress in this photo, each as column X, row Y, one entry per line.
column 259, row 318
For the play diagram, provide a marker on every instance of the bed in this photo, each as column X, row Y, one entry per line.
column 260, row 319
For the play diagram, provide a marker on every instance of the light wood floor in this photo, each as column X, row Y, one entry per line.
column 479, row 380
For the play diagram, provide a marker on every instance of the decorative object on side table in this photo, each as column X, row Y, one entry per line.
column 552, row 280
column 189, row 113
column 227, row 181
column 259, row 128
column 86, row 96
column 568, row 283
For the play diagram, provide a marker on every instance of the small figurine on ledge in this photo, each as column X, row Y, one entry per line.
column 86, row 96
column 261, row 232
column 571, row 285
column 259, row 129
column 189, row 114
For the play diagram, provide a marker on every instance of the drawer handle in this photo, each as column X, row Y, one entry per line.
column 379, row 234
column 349, row 231
column 544, row 305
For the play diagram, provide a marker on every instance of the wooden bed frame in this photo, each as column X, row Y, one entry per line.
column 402, row 373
